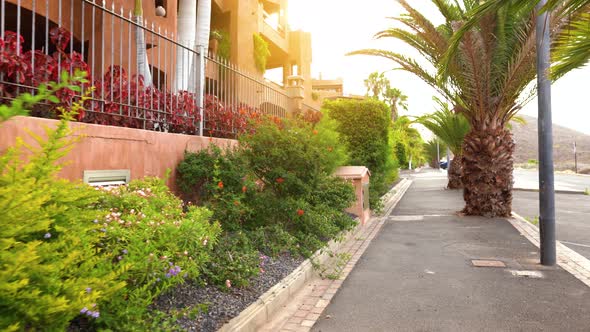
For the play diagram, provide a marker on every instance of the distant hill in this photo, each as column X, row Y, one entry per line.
column 526, row 140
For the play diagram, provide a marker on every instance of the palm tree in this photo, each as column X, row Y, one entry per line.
column 143, row 68
column 451, row 129
column 379, row 87
column 571, row 49
column 186, row 37
column 376, row 83
column 395, row 98
column 194, row 26
column 485, row 79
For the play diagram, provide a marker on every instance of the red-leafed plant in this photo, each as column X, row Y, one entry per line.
column 118, row 98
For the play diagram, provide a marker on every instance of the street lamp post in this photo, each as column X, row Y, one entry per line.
column 546, row 176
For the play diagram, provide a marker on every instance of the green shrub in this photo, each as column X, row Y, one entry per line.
column 364, row 126
column 49, row 270
column 333, row 192
column 273, row 240
column 156, row 242
column 234, row 262
column 220, row 181
column 290, row 159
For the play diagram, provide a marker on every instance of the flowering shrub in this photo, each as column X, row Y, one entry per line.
column 49, row 270
column 157, row 242
column 119, row 99
column 275, row 191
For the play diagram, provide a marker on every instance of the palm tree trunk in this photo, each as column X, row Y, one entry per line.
column 143, row 68
column 487, row 172
column 203, row 29
column 455, row 172
column 186, row 26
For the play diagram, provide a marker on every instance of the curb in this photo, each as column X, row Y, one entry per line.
column 571, row 192
column 269, row 303
column 574, row 263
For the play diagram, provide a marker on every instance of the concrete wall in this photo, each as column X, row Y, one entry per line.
column 145, row 153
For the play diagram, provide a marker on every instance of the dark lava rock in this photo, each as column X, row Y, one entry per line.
column 222, row 306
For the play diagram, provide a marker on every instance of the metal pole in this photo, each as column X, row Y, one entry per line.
column 546, row 176
column 575, row 158
column 437, row 154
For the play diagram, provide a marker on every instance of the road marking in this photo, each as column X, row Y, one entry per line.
column 528, row 274
column 576, row 244
column 418, row 217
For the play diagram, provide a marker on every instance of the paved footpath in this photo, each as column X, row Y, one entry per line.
column 417, row 275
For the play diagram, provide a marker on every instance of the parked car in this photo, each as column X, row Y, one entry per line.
column 444, row 164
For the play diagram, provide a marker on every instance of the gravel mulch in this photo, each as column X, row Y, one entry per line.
column 223, row 306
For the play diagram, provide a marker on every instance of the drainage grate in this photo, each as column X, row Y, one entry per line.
column 487, row 263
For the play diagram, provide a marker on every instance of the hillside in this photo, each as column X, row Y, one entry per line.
column 526, row 140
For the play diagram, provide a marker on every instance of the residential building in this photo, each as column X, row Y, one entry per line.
column 104, row 34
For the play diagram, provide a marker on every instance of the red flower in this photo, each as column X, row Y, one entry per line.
column 280, row 180
column 244, row 189
column 220, row 185
column 315, row 132
column 300, row 212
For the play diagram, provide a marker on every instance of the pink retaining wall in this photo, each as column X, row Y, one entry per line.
column 145, row 153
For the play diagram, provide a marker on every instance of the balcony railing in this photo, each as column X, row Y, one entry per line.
column 41, row 38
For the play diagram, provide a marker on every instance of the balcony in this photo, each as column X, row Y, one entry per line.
column 271, row 28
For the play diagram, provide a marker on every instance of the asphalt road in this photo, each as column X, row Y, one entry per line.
column 529, row 179
column 572, row 217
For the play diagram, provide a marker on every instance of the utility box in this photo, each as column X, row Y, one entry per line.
column 359, row 177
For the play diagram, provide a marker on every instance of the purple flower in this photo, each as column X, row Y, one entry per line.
column 125, row 252
column 168, row 275
column 47, row 235
column 158, row 279
column 84, row 310
column 120, row 257
column 88, row 289
column 96, row 314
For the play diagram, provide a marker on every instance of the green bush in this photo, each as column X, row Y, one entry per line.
column 220, row 181
column 157, row 243
column 235, row 261
column 365, row 127
column 273, row 240
column 49, row 270
column 277, row 191
column 290, row 159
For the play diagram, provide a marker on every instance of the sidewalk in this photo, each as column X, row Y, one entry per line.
column 417, row 275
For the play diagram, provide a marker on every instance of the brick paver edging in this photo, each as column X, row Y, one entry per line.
column 569, row 260
column 313, row 304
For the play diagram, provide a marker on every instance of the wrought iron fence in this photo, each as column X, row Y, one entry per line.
column 152, row 87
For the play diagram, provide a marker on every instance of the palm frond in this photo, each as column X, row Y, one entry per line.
column 448, row 126
column 572, row 49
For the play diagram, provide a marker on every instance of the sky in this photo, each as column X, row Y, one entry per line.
column 342, row 26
